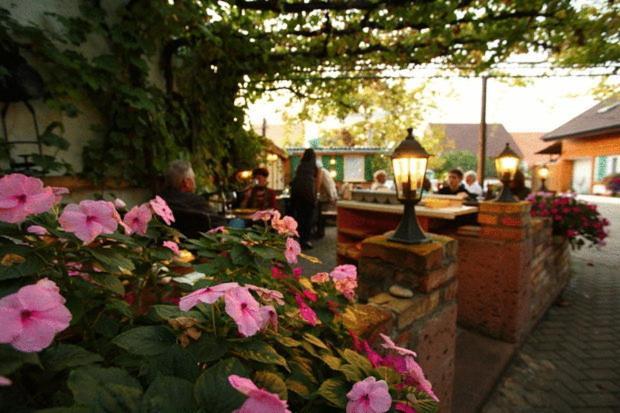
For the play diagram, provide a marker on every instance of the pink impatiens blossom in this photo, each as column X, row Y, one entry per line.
column 305, row 311
column 32, row 316
column 405, row 408
column 161, row 208
column 218, row 230
column 207, row 295
column 4, row 381
column 259, row 400
column 172, row 246
column 244, row 310
column 297, row 271
column 310, row 295
column 267, row 294
column 285, row 226
column 278, row 274
column 415, row 377
column 138, row 218
column 345, row 280
column 265, row 215
column 21, row 196
column 292, row 251
column 270, row 316
column 390, row 345
column 89, row 219
column 369, row 396
column 37, row 230
column 320, row 278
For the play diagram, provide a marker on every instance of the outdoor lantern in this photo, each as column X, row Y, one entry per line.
column 247, row 174
column 333, row 173
column 506, row 164
column 409, row 161
column 272, row 157
column 543, row 174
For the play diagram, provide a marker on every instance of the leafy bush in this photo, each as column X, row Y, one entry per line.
column 99, row 320
column 578, row 221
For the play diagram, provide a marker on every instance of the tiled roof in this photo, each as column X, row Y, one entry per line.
column 465, row 137
column 340, row 150
column 530, row 143
column 599, row 119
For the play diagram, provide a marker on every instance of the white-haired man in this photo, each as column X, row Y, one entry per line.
column 191, row 211
column 471, row 184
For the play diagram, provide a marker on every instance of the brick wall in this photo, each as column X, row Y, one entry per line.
column 424, row 322
column 510, row 270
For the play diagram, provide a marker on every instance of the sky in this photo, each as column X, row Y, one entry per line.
column 542, row 105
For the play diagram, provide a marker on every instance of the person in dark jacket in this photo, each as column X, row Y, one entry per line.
column 517, row 186
column 304, row 189
column 454, row 185
column 190, row 210
column 259, row 196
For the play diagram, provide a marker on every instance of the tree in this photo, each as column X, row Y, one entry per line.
column 216, row 56
column 465, row 161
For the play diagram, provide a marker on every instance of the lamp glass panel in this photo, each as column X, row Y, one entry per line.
column 506, row 166
column 543, row 172
column 409, row 176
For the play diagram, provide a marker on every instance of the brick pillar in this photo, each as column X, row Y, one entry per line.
column 426, row 321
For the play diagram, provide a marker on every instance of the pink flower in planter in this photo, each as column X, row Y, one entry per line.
column 416, row 377
column 267, row 294
column 59, row 191
column 32, row 316
column 345, row 280
column 297, row 271
column 390, row 345
column 292, row 251
column 270, row 316
column 244, row 310
column 161, row 208
column 21, row 196
column 4, row 381
column 374, row 357
column 89, row 219
column 311, row 296
column 265, row 215
column 278, row 274
column 402, row 407
column 138, row 218
column 216, row 230
column 285, row 226
column 37, row 230
column 320, row 278
column 207, row 295
column 369, row 396
column 305, row 311
column 259, row 400
column 172, row 246
column 571, row 233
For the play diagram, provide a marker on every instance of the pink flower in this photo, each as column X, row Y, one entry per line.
column 32, row 316
column 270, row 316
column 89, row 219
column 305, row 311
column 311, row 296
column 297, row 271
column 278, row 274
column 267, row 294
column 172, row 246
column 59, row 191
column 571, row 233
column 216, row 230
column 244, row 310
column 292, row 251
column 345, row 280
column 4, row 381
column 207, row 295
column 285, row 226
column 374, row 357
column 390, row 345
column 37, row 230
column 119, row 203
column 402, row 407
column 416, row 377
column 369, row 396
column 265, row 215
column 161, row 208
column 138, row 218
column 320, row 278
column 21, row 196
column 259, row 400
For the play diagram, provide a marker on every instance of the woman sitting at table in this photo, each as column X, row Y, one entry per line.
column 259, row 196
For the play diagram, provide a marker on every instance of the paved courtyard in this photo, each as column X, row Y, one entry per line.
column 571, row 361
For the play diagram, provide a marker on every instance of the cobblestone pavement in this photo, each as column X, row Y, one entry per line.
column 571, row 361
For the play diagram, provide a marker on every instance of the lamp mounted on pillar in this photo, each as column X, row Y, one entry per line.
column 543, row 174
column 409, row 161
column 506, row 164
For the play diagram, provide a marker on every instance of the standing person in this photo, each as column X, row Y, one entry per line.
column 259, row 196
column 328, row 195
column 471, row 184
column 304, row 188
column 455, row 184
column 517, row 186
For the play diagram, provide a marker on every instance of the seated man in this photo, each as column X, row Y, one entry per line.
column 380, row 183
column 455, row 185
column 259, row 196
column 472, row 185
column 190, row 210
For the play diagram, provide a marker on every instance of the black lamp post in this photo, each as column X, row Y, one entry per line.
column 506, row 165
column 409, row 161
column 543, row 174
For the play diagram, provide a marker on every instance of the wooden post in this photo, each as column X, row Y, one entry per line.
column 482, row 137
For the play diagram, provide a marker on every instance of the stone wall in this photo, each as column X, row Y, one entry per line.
column 425, row 321
column 511, row 269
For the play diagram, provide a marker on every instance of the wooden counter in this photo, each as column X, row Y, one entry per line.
column 359, row 220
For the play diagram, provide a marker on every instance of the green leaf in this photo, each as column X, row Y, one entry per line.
column 208, row 348
column 146, row 341
column 288, row 341
column 51, row 139
column 65, row 356
column 70, row 409
column 168, row 394
column 176, row 361
column 11, row 359
column 31, row 265
column 351, row 372
column 334, row 391
column 109, row 282
column 240, row 255
column 267, row 253
column 259, row 351
column 315, row 340
column 164, row 312
column 389, row 375
column 213, row 391
column 271, row 382
column 357, row 360
column 105, row 389
column 120, row 306
column 112, row 261
column 333, row 362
